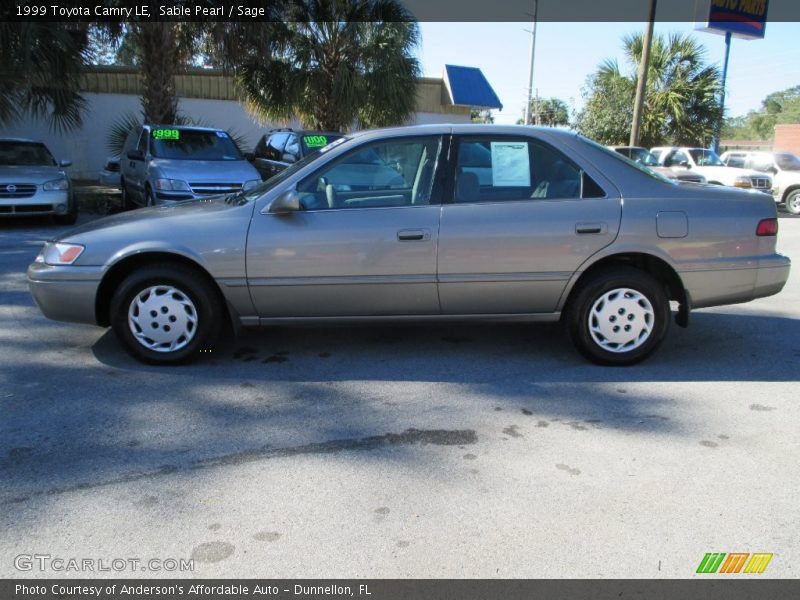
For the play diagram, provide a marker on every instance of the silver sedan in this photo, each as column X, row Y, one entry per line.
column 480, row 222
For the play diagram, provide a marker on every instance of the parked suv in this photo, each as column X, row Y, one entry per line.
column 167, row 163
column 646, row 158
column 707, row 163
column 784, row 168
column 32, row 182
column 280, row 148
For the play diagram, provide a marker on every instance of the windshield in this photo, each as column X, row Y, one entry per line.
column 787, row 162
column 267, row 185
column 705, row 158
column 25, row 154
column 193, row 144
column 316, row 141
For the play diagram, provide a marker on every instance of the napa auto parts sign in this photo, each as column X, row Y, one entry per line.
column 741, row 18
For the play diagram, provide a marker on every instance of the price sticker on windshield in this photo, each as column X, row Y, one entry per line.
column 315, row 141
column 166, row 134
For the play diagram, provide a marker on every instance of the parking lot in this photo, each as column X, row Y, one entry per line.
column 427, row 451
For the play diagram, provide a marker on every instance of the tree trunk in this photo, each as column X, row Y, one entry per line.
column 159, row 62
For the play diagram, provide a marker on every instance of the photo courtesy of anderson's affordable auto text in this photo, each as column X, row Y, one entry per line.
column 391, row 299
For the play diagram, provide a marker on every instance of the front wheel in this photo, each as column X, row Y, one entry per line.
column 619, row 316
column 793, row 202
column 166, row 314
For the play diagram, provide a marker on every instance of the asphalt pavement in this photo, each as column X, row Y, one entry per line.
column 419, row 451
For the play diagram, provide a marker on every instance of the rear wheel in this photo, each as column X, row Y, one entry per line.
column 166, row 314
column 793, row 202
column 619, row 316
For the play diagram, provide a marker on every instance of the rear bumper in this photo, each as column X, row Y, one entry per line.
column 772, row 275
column 65, row 293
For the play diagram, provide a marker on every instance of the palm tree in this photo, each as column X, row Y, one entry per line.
column 336, row 63
column 40, row 72
column 681, row 103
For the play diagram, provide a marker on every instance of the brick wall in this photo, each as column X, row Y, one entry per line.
column 787, row 138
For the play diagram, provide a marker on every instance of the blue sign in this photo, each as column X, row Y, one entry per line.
column 741, row 18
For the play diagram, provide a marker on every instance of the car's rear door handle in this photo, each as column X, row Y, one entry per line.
column 413, row 235
column 591, row 228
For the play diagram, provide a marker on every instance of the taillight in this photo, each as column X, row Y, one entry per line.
column 767, row 227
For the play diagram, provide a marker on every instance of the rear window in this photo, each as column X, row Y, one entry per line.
column 26, row 154
column 193, row 144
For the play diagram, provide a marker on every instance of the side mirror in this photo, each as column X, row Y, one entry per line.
column 135, row 155
column 65, row 163
column 287, row 203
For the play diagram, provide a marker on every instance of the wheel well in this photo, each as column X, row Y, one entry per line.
column 789, row 190
column 653, row 265
column 126, row 266
column 714, row 183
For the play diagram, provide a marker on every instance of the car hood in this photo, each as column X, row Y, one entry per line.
column 205, row 171
column 145, row 221
column 25, row 174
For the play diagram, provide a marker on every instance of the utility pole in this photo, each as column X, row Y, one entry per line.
column 641, row 83
column 718, row 128
column 533, row 53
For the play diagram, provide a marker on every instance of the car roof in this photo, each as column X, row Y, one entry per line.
column 183, row 127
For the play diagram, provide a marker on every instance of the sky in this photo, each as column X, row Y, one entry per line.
column 566, row 53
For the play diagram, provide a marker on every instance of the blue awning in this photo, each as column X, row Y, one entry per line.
column 468, row 87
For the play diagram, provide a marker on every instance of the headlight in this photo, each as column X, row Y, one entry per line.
column 172, row 185
column 59, row 254
column 249, row 185
column 56, row 185
column 742, row 181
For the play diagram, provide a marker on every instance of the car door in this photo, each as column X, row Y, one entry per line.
column 360, row 247
column 518, row 225
column 136, row 171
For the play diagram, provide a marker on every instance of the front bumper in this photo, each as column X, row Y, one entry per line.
column 65, row 293
column 41, row 203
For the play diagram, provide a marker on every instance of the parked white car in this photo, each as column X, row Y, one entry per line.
column 707, row 163
column 784, row 167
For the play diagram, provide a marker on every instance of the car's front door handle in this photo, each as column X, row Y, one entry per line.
column 591, row 228
column 413, row 235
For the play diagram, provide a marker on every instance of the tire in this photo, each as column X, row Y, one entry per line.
column 71, row 216
column 148, row 197
column 166, row 314
column 127, row 203
column 606, row 301
column 793, row 202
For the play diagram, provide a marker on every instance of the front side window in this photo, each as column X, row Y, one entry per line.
column 396, row 172
column 275, row 145
column 677, row 159
column 193, row 144
column 787, row 161
column 497, row 169
column 705, row 158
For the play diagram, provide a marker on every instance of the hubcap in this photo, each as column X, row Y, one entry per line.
column 621, row 320
column 794, row 203
column 162, row 318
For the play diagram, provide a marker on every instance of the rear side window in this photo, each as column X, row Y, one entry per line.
column 499, row 169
